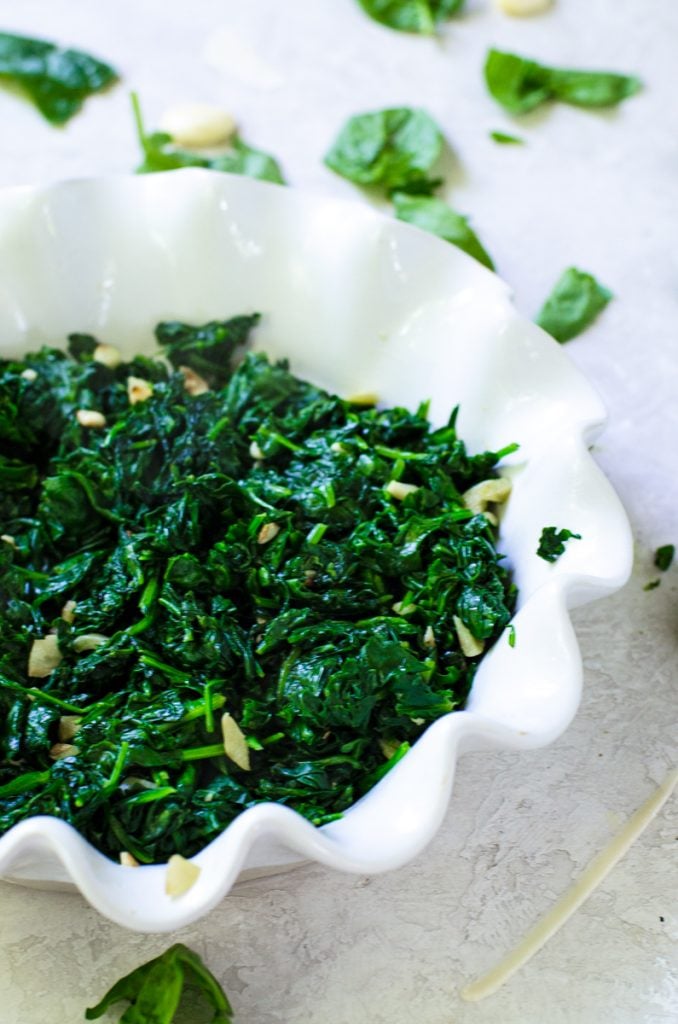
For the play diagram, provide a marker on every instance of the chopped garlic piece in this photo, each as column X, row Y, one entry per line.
column 523, row 8
column 429, row 637
column 68, row 611
column 181, row 875
column 338, row 448
column 198, row 125
column 61, row 750
column 267, row 533
column 107, row 355
column 255, row 451
column 89, row 642
column 7, row 538
column 44, row 657
column 235, row 746
column 389, row 747
column 468, row 643
column 90, row 418
column 487, row 492
column 193, row 382
column 127, row 860
column 138, row 389
column 403, row 609
column 29, row 374
column 68, row 727
column 399, row 490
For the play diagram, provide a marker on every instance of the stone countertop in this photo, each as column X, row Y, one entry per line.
column 597, row 190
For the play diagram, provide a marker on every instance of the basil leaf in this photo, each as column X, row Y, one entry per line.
column 161, row 154
column 154, row 989
column 435, row 216
column 421, row 16
column 506, row 140
column 520, row 84
column 57, row 81
column 394, row 148
column 573, row 305
column 552, row 542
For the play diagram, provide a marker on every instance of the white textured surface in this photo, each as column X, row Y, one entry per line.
column 596, row 190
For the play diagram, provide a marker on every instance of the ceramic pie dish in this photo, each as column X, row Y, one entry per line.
column 358, row 303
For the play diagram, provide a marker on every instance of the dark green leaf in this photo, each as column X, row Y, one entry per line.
column 434, row 215
column 573, row 305
column 393, row 148
column 520, row 84
column 57, row 81
column 421, row 16
column 663, row 556
column 552, row 542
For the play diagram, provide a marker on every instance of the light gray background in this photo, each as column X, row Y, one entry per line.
column 594, row 189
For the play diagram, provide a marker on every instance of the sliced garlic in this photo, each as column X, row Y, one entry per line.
column 90, row 418
column 389, row 747
column 7, row 538
column 44, row 657
column 127, row 860
column 267, row 533
column 399, row 490
column 89, row 642
column 198, row 125
column 107, row 355
column 69, row 725
column 235, row 746
column 29, row 374
column 181, row 875
column 429, row 637
column 403, row 609
column 138, row 389
column 68, row 611
column 487, row 492
column 523, row 8
column 193, row 382
column 61, row 750
column 469, row 644
column 256, row 452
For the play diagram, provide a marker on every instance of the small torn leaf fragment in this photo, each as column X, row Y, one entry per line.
column 504, row 139
column 154, row 990
column 419, row 16
column 552, row 542
column 663, row 556
column 162, row 154
column 575, row 302
column 434, row 215
column 520, row 84
column 394, row 148
column 652, row 585
column 57, row 81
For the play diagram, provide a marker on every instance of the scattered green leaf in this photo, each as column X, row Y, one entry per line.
column 663, row 556
column 57, row 81
column 575, row 302
column 420, row 16
column 393, row 148
column 155, row 989
column 520, row 84
column 505, row 139
column 434, row 215
column 652, row 585
column 552, row 542
column 161, row 154
column 511, row 635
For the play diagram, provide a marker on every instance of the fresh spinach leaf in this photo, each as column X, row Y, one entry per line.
column 506, row 140
column 155, row 989
column 394, row 149
column 434, row 215
column 420, row 16
column 552, row 542
column 575, row 302
column 161, row 154
column 520, row 84
column 663, row 557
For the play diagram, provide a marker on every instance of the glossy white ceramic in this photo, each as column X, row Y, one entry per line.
column 359, row 303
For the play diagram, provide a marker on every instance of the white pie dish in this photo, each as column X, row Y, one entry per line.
column 359, row 303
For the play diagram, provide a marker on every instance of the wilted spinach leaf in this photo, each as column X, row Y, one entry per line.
column 520, row 84
column 57, row 81
column 434, row 215
column 161, row 154
column 663, row 556
column 154, row 989
column 421, row 16
column 393, row 148
column 247, row 547
column 552, row 542
column 575, row 302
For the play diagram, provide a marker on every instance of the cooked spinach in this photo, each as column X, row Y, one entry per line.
column 520, row 84
column 663, row 556
column 257, row 547
column 552, row 542
column 421, row 16
column 434, row 215
column 394, row 149
column 57, row 81
column 154, row 990
column 575, row 302
column 161, row 154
